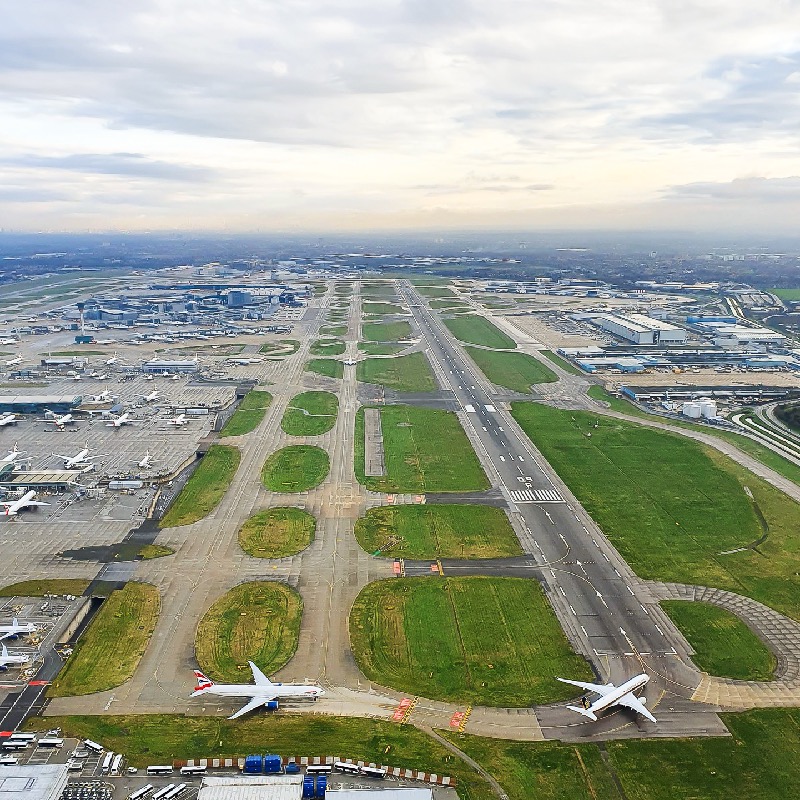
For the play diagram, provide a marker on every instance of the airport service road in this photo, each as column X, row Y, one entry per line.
column 598, row 599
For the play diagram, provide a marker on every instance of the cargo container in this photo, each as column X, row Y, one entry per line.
column 308, row 787
column 272, row 764
column 292, row 768
column 253, row 765
column 322, row 785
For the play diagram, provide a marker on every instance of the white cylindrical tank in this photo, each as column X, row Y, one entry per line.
column 708, row 408
column 692, row 409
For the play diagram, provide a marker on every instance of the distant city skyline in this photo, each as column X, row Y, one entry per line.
column 356, row 115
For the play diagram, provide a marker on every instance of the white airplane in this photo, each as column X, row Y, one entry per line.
column 59, row 422
column 263, row 692
column 118, row 422
column 8, row 341
column 16, row 629
column 78, row 460
column 101, row 377
column 103, row 397
column 112, row 360
column 178, row 421
column 611, row 695
column 14, row 361
column 13, row 507
column 12, row 456
column 8, row 419
column 6, row 659
column 149, row 398
column 149, row 377
column 146, row 462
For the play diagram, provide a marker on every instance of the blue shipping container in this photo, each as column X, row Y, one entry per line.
column 308, row 787
column 272, row 764
column 253, row 765
column 322, row 785
column 292, row 768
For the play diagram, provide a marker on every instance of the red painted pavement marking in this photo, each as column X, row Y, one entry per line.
column 401, row 709
column 6, row 733
column 397, row 568
column 456, row 719
column 39, row 683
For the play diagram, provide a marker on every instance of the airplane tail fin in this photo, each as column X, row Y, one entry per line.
column 203, row 682
column 584, row 711
column 5, row 651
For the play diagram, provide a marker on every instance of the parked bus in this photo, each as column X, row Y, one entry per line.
column 175, row 791
column 106, row 768
column 10, row 745
column 373, row 772
column 23, row 737
column 346, row 767
column 319, row 769
column 193, row 770
column 140, row 793
column 162, row 793
column 93, row 746
column 116, row 764
column 155, row 769
column 51, row 742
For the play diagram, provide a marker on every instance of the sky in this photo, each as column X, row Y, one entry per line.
column 262, row 115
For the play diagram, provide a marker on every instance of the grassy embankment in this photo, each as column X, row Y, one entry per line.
column 322, row 347
column 334, row 330
column 380, row 309
column 516, row 371
column 426, row 450
column 280, row 348
column 295, row 469
column 381, row 348
column 437, row 531
column 411, row 373
column 486, row 641
column 562, row 362
column 249, row 414
column 329, row 367
column 277, row 532
column 257, row 621
column 76, row 586
column 205, row 488
column 110, row 649
column 151, row 551
column 472, row 329
column 385, row 331
column 310, row 414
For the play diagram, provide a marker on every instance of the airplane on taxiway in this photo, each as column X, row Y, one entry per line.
column 610, row 695
column 261, row 693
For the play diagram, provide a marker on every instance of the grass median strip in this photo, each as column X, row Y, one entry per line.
column 563, row 363
column 380, row 348
column 258, row 621
column 310, row 414
column 76, row 586
column 411, row 373
column 205, row 488
column 280, row 348
column 329, row 367
column 723, row 644
column 473, row 329
column 277, row 532
column 323, row 347
column 516, row 371
column 295, row 469
column 675, row 509
column 249, row 414
column 110, row 649
column 437, row 531
column 425, row 450
column 487, row 641
column 385, row 331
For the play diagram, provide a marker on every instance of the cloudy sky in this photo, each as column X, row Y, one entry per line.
column 325, row 114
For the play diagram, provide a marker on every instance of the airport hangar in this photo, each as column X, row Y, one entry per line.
column 39, row 403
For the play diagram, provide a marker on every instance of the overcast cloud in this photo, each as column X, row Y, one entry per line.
column 261, row 114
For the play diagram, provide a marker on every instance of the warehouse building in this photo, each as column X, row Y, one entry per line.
column 639, row 329
column 42, row 782
column 157, row 366
column 38, row 404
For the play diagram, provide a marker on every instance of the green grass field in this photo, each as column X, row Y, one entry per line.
column 327, row 348
column 281, row 347
column 787, row 294
column 161, row 738
column 333, row 330
column 723, row 644
column 451, row 304
column 248, row 415
column 426, row 450
column 435, row 291
column 329, row 367
column 437, row 531
column 472, row 329
column 277, row 532
column 205, row 488
column 487, row 641
column 672, row 506
column 385, row 331
column 310, row 414
column 381, row 309
column 258, row 621
column 76, row 586
column 380, row 349
column 515, row 371
column 295, row 469
column 411, row 373
column 110, row 649
column 151, row 551
column 562, row 362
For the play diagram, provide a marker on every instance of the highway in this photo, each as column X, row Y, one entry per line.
column 593, row 591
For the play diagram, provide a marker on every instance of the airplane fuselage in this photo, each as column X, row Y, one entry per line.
column 613, row 697
column 276, row 691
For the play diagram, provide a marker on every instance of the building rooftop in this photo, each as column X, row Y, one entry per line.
column 42, row 782
column 251, row 787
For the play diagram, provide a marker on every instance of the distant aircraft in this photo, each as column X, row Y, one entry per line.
column 16, row 629
column 112, row 360
column 78, row 460
column 149, row 377
column 14, row 361
column 6, row 659
column 59, row 422
column 146, row 462
column 262, row 693
column 149, row 398
column 12, row 456
column 103, row 397
column 8, row 419
column 178, row 421
column 8, row 341
column 13, row 507
column 118, row 422
column 611, row 695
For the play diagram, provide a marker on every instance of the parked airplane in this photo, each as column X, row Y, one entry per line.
column 6, row 659
column 149, row 377
column 103, row 397
column 146, row 462
column 13, row 507
column 12, row 456
column 59, row 422
column 16, row 629
column 262, row 693
column 8, row 419
column 8, row 341
column 78, row 460
column 14, row 361
column 112, row 360
column 178, row 421
column 149, row 398
column 118, row 422
column 611, row 695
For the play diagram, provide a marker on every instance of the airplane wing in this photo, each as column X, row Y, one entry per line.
column 255, row 703
column 631, row 701
column 601, row 689
column 258, row 676
column 35, row 503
